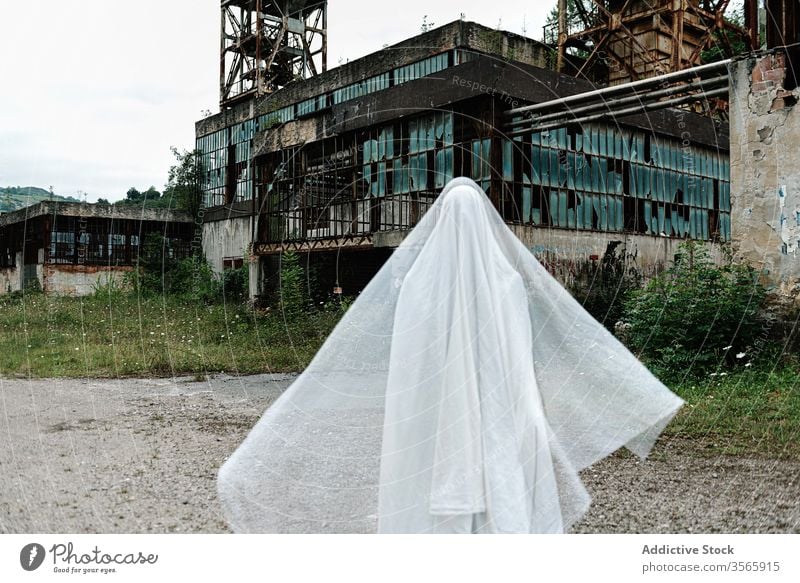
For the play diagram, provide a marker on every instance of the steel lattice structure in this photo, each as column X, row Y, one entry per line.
column 267, row 44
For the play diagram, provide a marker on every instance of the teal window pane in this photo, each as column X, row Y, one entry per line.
column 588, row 211
column 571, row 170
column 554, row 208
column 381, row 178
column 413, row 142
column 595, row 180
column 526, row 204
column 486, row 157
column 601, row 141
column 536, row 174
column 508, row 160
column 544, row 166
column 448, row 128
column 439, row 169
column 704, row 223
column 555, row 176
column 422, row 171
column 476, row 159
column 448, row 165
column 577, row 170
column 430, row 133
column 580, row 209
column 602, row 174
column 647, row 207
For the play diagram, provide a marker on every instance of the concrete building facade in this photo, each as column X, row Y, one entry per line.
column 340, row 166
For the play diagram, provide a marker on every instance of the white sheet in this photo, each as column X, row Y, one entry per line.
column 462, row 392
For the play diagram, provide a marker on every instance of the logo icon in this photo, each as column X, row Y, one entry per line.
column 31, row 556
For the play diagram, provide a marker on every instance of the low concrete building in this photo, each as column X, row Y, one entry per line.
column 72, row 248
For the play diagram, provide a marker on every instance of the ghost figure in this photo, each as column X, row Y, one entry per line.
column 462, row 392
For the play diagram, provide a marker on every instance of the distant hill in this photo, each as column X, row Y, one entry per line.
column 16, row 197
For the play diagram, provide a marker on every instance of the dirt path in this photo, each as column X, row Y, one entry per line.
column 141, row 456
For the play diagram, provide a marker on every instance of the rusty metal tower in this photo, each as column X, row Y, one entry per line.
column 267, row 44
column 629, row 40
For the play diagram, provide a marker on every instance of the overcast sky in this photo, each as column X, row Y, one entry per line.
column 94, row 92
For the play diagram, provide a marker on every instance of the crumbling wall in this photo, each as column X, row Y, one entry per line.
column 765, row 171
column 572, row 256
column 10, row 280
column 80, row 280
column 226, row 240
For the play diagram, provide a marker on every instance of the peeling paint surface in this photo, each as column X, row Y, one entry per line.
column 765, row 174
column 81, row 280
column 789, row 233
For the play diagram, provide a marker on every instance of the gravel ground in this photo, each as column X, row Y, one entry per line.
column 141, row 455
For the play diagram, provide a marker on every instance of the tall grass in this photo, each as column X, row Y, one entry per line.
column 115, row 333
column 748, row 411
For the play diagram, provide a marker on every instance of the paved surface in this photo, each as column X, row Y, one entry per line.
column 138, row 455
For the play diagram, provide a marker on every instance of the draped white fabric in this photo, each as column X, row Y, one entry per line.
column 462, row 392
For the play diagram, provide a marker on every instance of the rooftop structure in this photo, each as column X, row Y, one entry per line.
column 71, row 247
column 618, row 41
column 267, row 44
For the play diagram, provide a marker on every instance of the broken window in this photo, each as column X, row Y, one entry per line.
column 585, row 176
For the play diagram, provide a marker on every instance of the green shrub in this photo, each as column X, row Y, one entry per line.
column 293, row 300
column 191, row 278
column 696, row 315
column 234, row 284
column 108, row 289
column 610, row 285
column 32, row 287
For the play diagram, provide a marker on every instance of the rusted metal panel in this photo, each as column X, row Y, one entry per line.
column 615, row 42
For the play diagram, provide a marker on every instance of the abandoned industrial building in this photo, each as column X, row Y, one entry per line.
column 72, row 248
column 612, row 134
column 339, row 164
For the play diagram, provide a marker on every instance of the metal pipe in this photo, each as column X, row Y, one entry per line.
column 625, row 87
column 622, row 112
column 640, row 98
column 562, row 34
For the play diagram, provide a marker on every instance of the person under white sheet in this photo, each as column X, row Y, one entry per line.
column 462, row 392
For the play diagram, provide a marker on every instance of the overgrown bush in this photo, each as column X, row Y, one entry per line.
column 192, row 278
column 298, row 304
column 613, row 281
column 234, row 284
column 293, row 297
column 696, row 315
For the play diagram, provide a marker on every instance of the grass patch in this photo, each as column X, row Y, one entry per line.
column 120, row 334
column 742, row 412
